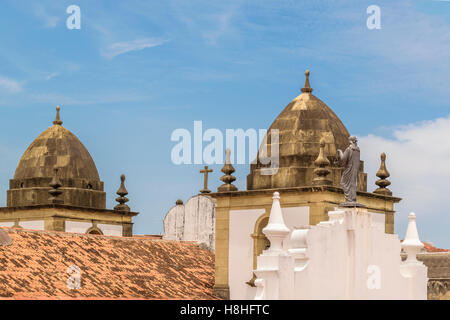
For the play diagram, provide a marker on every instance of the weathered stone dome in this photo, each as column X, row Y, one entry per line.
column 301, row 126
column 56, row 147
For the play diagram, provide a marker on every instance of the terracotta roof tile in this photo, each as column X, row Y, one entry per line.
column 430, row 248
column 35, row 266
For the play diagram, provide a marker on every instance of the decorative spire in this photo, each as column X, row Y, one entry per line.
column 382, row 173
column 307, row 87
column 321, row 171
column 57, row 120
column 412, row 244
column 122, row 192
column 179, row 202
column 227, row 178
column 276, row 230
column 55, row 191
column 205, row 171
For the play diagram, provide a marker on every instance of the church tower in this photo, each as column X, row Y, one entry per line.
column 308, row 177
column 56, row 186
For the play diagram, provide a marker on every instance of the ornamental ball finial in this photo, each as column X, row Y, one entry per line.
column 307, row 87
column 57, row 120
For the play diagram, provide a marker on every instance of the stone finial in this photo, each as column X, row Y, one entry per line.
column 55, row 191
column 412, row 244
column 227, row 178
column 57, row 121
column 179, row 202
column 321, row 171
column 122, row 192
column 307, row 87
column 205, row 171
column 383, row 174
column 276, row 230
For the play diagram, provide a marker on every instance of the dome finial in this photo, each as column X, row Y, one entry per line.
column 122, row 192
column 383, row 174
column 227, row 178
column 307, row 87
column 57, row 120
column 321, row 171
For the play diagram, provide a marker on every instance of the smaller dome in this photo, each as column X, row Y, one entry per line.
column 57, row 146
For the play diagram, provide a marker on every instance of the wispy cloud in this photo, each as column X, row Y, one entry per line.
column 41, row 13
column 10, row 85
column 56, row 98
column 223, row 24
column 118, row 48
column 51, row 75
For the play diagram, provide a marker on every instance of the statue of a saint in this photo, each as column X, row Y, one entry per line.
column 350, row 160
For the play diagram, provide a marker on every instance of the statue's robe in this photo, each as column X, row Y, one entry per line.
column 350, row 161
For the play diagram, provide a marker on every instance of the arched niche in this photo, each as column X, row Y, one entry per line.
column 260, row 242
column 94, row 230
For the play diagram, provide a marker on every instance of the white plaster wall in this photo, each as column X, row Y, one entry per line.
column 7, row 224
column 77, row 226
column 174, row 223
column 240, row 263
column 33, row 225
column 110, row 229
column 378, row 219
column 193, row 221
column 335, row 261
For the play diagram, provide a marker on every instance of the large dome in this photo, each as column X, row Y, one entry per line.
column 303, row 123
column 56, row 147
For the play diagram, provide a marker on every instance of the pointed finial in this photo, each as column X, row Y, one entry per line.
column 383, row 174
column 55, row 190
column 276, row 230
column 57, row 120
column 412, row 244
column 321, row 171
column 307, row 87
column 228, row 169
column 122, row 192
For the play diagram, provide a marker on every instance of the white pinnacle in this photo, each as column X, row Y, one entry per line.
column 412, row 244
column 276, row 230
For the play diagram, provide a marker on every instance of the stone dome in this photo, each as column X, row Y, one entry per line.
column 56, row 147
column 303, row 123
column 59, row 147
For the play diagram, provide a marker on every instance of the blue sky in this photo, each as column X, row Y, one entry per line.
column 137, row 70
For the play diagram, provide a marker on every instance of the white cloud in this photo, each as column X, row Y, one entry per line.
column 41, row 13
column 222, row 22
column 10, row 85
column 55, row 98
column 418, row 159
column 51, row 75
column 119, row 48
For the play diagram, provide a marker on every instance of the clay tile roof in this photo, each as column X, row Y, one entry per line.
column 35, row 266
column 430, row 248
